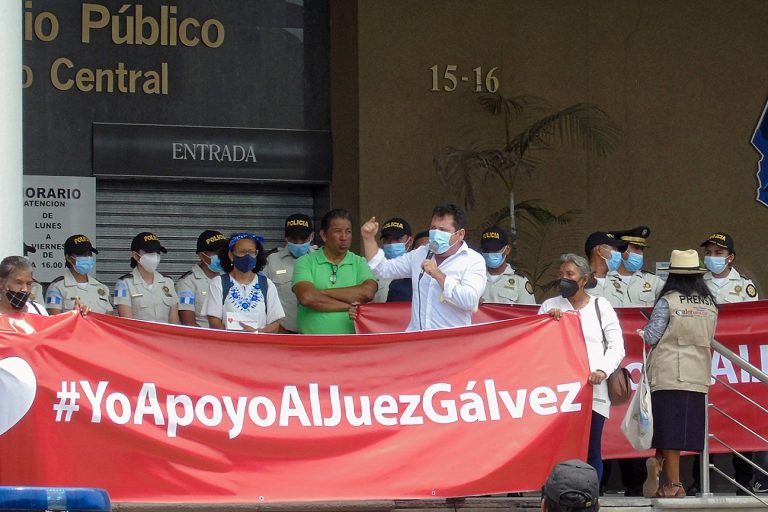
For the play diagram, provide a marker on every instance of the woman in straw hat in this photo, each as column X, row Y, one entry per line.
column 679, row 368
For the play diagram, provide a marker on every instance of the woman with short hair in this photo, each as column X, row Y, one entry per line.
column 16, row 287
column 602, row 336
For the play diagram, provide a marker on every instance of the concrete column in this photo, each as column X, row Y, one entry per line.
column 11, row 135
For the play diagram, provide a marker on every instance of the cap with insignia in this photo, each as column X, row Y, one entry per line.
column 298, row 225
column 79, row 244
column 721, row 240
column 493, row 239
column 395, row 228
column 635, row 236
column 573, row 485
column 602, row 238
column 211, row 241
column 147, row 242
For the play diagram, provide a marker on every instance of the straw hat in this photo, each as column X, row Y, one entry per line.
column 685, row 262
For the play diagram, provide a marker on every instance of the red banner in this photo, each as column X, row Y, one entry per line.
column 158, row 413
column 741, row 327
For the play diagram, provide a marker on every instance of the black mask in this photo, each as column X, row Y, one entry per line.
column 17, row 299
column 568, row 287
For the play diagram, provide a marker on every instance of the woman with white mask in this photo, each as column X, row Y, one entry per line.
column 145, row 294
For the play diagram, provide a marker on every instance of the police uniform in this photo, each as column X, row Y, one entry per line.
column 640, row 289
column 64, row 290
column 511, row 287
column 147, row 302
column 280, row 264
column 279, row 270
column 192, row 289
column 393, row 229
column 736, row 288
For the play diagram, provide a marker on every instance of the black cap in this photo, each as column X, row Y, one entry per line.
column 573, row 484
column 635, row 236
column 298, row 225
column 147, row 242
column 600, row 238
column 493, row 239
column 78, row 244
column 721, row 239
column 396, row 228
column 211, row 241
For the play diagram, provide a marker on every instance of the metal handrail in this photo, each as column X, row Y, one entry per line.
column 742, row 395
column 706, row 465
column 740, row 362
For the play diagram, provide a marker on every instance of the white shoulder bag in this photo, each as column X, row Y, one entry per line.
column 637, row 424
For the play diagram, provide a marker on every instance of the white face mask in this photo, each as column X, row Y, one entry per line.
column 150, row 261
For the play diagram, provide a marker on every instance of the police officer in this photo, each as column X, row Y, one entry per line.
column 192, row 287
column 299, row 234
column 145, row 294
column 603, row 250
column 505, row 284
column 396, row 240
column 629, row 285
column 728, row 286
column 77, row 283
column 724, row 281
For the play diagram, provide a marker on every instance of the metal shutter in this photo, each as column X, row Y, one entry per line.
column 178, row 211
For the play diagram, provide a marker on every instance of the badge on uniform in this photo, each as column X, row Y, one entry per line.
column 102, row 291
column 616, row 285
column 737, row 289
column 510, row 283
column 751, row 290
column 167, row 291
column 647, row 286
column 281, row 271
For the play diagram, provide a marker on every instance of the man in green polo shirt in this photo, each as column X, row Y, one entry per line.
column 327, row 282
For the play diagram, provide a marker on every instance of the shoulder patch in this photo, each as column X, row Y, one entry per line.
column 529, row 287
column 751, row 290
column 121, row 288
column 53, row 297
column 187, row 297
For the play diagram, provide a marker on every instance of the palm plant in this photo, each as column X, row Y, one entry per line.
column 525, row 137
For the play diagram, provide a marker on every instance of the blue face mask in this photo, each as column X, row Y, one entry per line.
column 634, row 262
column 298, row 250
column 493, row 259
column 394, row 250
column 614, row 261
column 84, row 264
column 715, row 264
column 244, row 263
column 440, row 239
column 215, row 264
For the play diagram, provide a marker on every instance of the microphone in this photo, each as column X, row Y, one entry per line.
column 432, row 249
